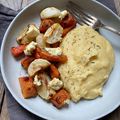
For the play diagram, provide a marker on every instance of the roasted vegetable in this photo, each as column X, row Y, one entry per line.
column 50, row 12
column 55, row 45
column 54, row 73
column 29, row 34
column 53, row 34
column 66, row 30
column 40, row 42
column 43, row 91
column 59, row 98
column 52, row 58
column 68, row 21
column 27, row 87
column 17, row 51
column 45, row 24
column 37, row 65
column 26, row 61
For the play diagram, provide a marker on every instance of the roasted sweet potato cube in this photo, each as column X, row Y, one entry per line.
column 27, row 87
column 26, row 61
column 58, row 100
column 68, row 21
column 66, row 30
column 54, row 73
column 52, row 58
column 17, row 51
column 45, row 24
column 55, row 45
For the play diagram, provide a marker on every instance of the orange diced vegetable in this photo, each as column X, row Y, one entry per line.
column 52, row 58
column 59, row 98
column 27, row 87
column 68, row 21
column 45, row 24
column 26, row 61
column 54, row 73
column 66, row 30
column 55, row 45
column 17, row 51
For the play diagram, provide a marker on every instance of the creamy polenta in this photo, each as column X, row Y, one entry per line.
column 90, row 61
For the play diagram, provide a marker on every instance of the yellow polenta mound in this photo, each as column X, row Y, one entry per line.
column 90, row 61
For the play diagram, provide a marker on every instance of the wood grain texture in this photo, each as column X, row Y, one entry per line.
column 4, row 113
column 19, row 4
column 2, row 91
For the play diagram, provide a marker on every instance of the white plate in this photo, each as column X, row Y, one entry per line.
column 84, row 110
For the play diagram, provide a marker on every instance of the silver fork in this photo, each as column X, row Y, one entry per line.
column 85, row 18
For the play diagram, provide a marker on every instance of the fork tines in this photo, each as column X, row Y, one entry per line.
column 80, row 15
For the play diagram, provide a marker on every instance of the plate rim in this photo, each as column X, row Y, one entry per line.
column 5, row 79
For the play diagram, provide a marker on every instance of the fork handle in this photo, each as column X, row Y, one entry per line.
column 111, row 29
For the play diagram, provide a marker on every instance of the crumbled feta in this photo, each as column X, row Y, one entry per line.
column 30, row 48
column 54, row 51
column 53, row 34
column 55, row 84
column 52, row 92
column 37, row 81
column 63, row 14
column 67, row 101
column 50, row 12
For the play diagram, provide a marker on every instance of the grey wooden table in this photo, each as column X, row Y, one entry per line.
column 19, row 4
